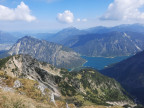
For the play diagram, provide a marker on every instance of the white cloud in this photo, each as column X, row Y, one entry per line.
column 65, row 17
column 84, row 20
column 22, row 12
column 78, row 20
column 124, row 10
column 81, row 20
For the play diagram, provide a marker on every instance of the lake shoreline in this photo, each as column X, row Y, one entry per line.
column 101, row 62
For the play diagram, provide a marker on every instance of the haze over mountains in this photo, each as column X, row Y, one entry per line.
column 120, row 28
column 6, row 40
column 122, row 40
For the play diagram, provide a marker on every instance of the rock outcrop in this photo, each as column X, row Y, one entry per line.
column 24, row 66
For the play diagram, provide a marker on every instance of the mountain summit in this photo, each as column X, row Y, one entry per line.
column 52, row 53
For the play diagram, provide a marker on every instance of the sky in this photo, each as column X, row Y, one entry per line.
column 54, row 15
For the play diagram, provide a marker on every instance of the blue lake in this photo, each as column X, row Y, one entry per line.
column 100, row 62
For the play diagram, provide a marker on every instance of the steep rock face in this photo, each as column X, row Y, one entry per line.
column 24, row 66
column 130, row 73
column 107, row 44
column 52, row 53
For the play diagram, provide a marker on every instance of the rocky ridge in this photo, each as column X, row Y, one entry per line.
column 84, row 87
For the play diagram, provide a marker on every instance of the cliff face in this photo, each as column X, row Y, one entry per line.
column 52, row 53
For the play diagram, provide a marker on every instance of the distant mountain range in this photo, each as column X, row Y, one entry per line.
column 67, row 33
column 120, row 40
column 120, row 28
column 43, row 36
column 6, row 41
column 61, row 35
column 107, row 44
column 52, row 53
column 7, row 38
column 130, row 73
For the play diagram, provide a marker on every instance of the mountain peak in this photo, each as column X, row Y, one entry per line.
column 49, row 52
column 27, row 37
column 69, row 29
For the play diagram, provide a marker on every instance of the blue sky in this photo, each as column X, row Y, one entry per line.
column 53, row 15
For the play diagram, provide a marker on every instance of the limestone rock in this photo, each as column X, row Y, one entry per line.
column 49, row 52
column 17, row 84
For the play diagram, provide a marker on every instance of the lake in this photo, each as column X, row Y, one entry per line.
column 101, row 62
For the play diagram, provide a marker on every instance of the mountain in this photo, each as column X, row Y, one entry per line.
column 24, row 66
column 27, row 83
column 87, row 85
column 100, row 41
column 130, row 73
column 7, row 38
column 44, row 36
column 120, row 28
column 43, row 82
column 66, row 33
column 52, row 53
column 107, row 44
column 98, row 29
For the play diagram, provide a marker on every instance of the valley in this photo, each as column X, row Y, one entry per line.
column 104, row 65
column 71, row 53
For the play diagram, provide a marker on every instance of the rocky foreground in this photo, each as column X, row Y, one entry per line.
column 41, row 85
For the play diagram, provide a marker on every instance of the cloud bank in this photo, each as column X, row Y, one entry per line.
column 124, row 10
column 21, row 12
column 65, row 17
